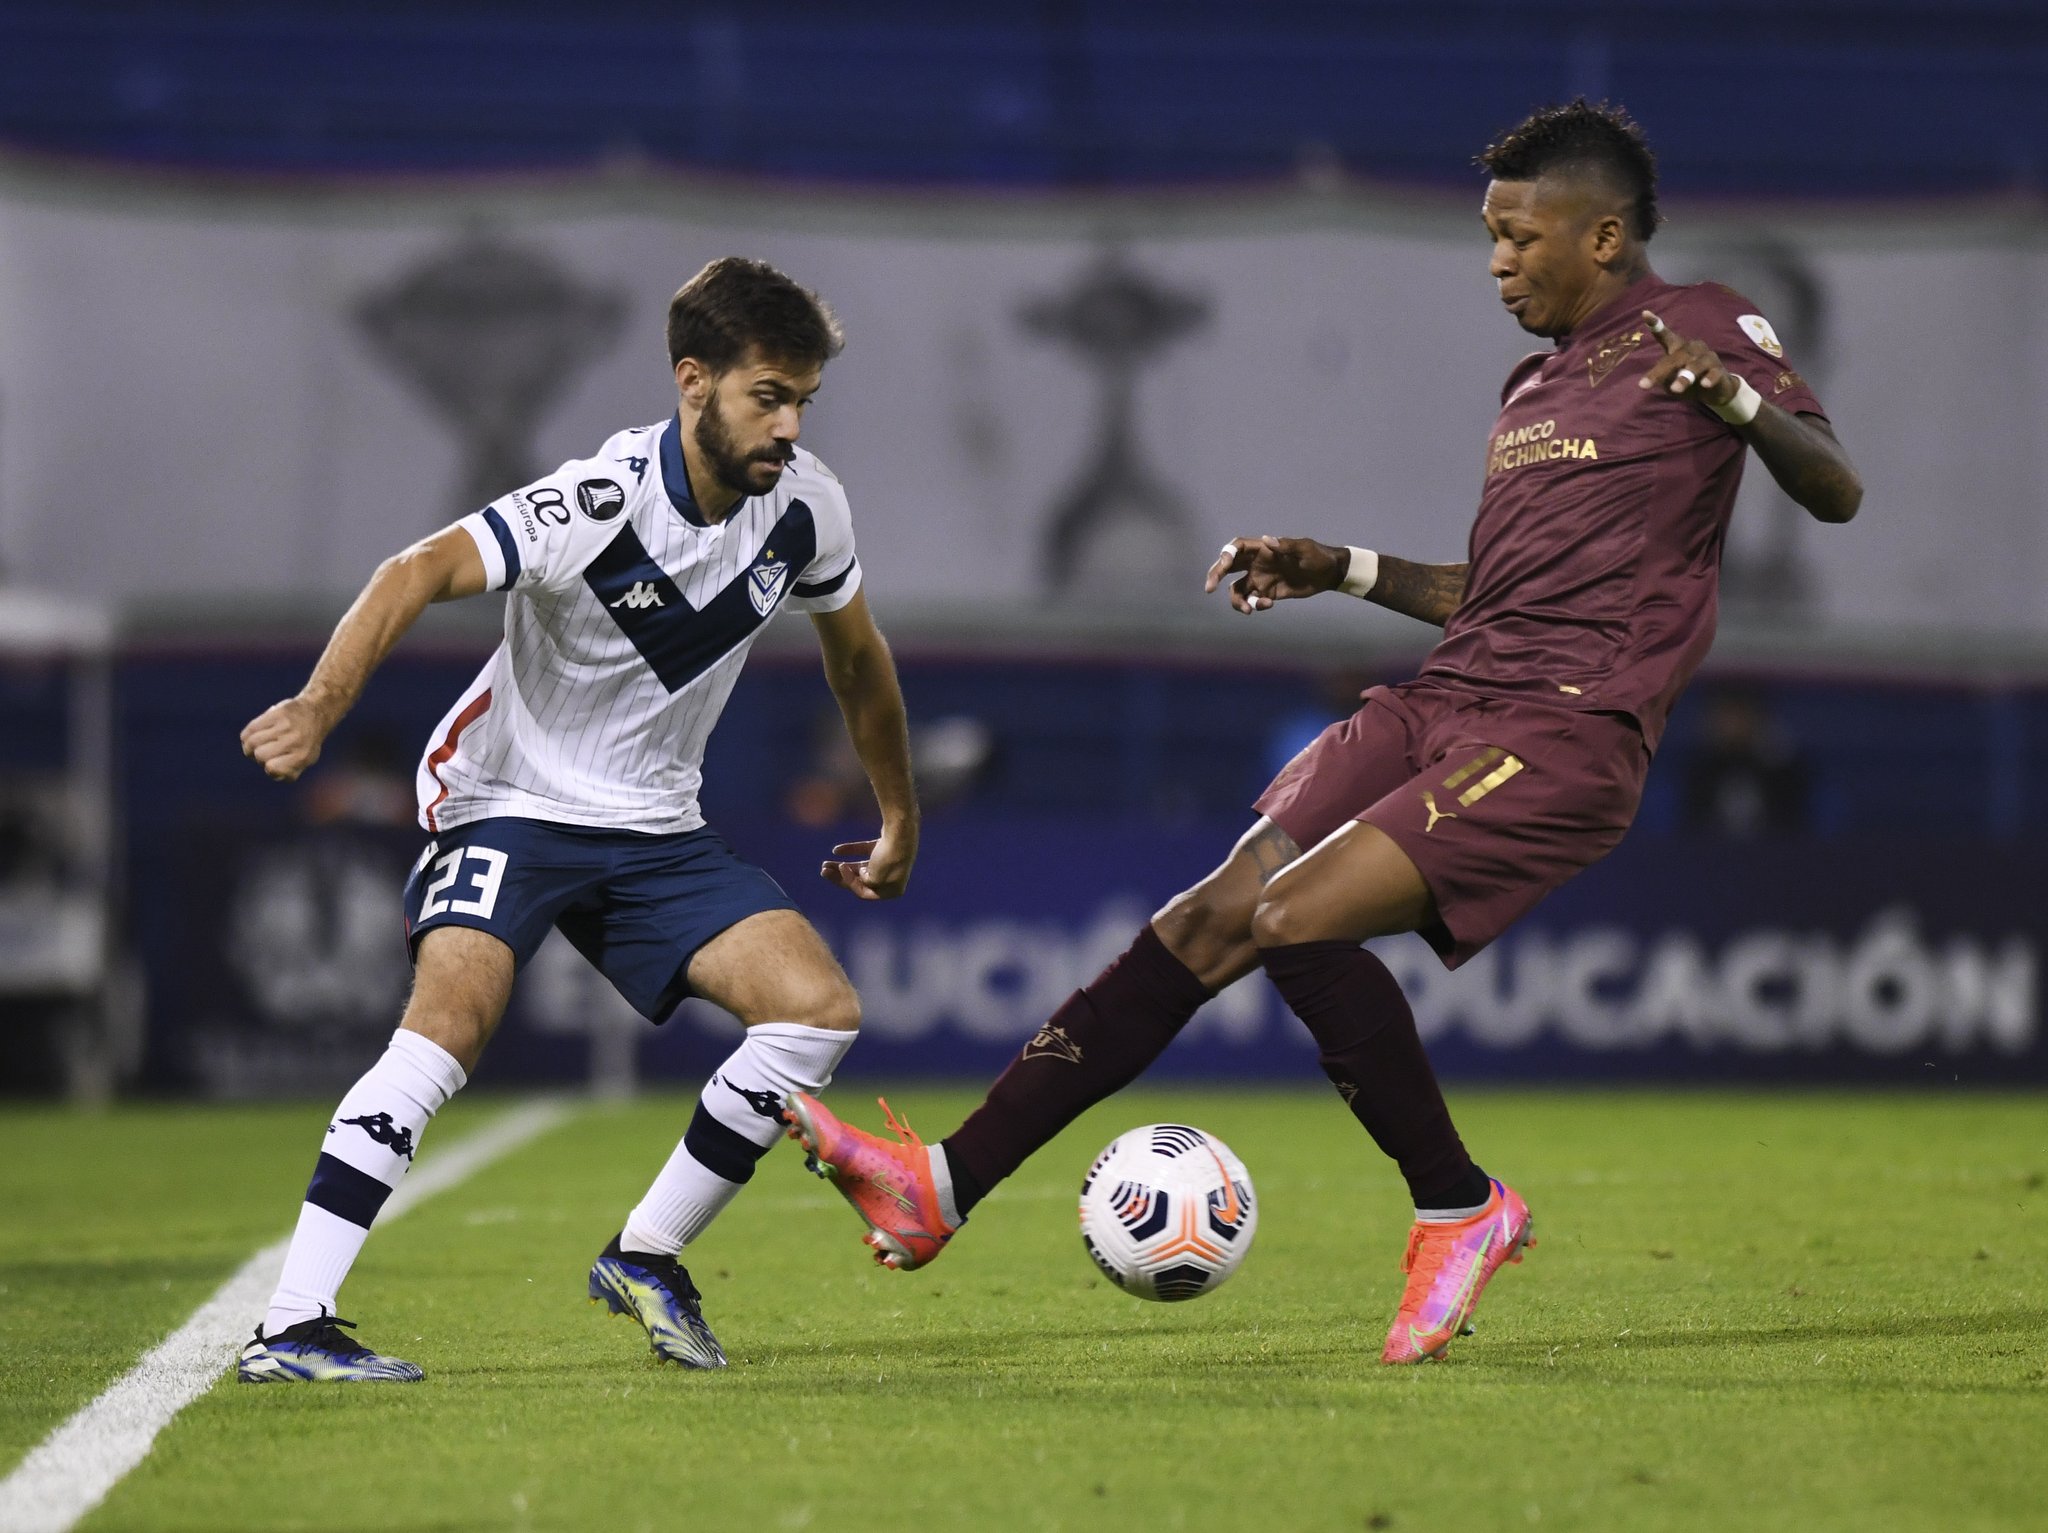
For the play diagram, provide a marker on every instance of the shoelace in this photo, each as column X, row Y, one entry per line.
column 902, row 1126
column 327, row 1335
column 671, row 1272
column 1422, row 1261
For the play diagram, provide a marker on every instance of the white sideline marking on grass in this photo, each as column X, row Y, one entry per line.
column 71, row 1471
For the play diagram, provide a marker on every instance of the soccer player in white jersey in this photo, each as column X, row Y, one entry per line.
column 561, row 791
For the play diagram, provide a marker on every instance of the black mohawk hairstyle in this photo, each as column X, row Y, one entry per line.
column 1580, row 134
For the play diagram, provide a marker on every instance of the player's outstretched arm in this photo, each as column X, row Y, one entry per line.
column 1808, row 462
column 1430, row 592
column 286, row 737
column 1801, row 451
column 862, row 675
column 1284, row 569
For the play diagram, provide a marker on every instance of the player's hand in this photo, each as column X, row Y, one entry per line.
column 1276, row 569
column 872, row 870
column 285, row 738
column 1687, row 367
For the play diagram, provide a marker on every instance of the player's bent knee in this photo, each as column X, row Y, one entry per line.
column 1281, row 922
column 1204, row 931
column 1185, row 923
column 1293, row 912
column 809, row 999
column 840, row 1010
column 461, row 984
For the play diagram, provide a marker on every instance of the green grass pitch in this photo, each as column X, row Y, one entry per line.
column 1760, row 1311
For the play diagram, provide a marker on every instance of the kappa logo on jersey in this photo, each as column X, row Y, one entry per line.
column 766, row 580
column 642, row 596
column 600, row 499
column 1758, row 329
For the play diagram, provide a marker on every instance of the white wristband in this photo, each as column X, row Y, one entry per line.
column 1363, row 573
column 1740, row 410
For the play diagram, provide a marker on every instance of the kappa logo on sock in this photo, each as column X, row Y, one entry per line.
column 378, row 1126
column 1346, row 1089
column 766, row 1103
column 1051, row 1042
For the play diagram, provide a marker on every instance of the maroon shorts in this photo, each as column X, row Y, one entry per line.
column 1496, row 800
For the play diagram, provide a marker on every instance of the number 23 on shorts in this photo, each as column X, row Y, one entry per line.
column 472, row 872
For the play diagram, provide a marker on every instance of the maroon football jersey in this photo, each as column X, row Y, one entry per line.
column 1596, row 555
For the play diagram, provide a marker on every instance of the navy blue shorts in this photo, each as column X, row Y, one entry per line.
column 637, row 906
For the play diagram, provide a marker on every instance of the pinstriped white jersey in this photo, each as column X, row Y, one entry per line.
column 626, row 625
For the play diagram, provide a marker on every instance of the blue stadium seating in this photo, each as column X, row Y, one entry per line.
column 1807, row 97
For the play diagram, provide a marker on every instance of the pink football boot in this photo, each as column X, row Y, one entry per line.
column 889, row 1185
column 1448, row 1267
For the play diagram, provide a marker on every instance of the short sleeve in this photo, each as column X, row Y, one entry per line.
column 541, row 537
column 493, row 540
column 832, row 578
column 1748, row 346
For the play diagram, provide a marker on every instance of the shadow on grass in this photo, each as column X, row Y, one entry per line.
column 1101, row 1362
column 1960, row 1325
column 1019, row 1362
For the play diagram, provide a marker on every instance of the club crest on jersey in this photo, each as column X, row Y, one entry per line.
column 600, row 499
column 1610, row 355
column 1758, row 329
column 766, row 580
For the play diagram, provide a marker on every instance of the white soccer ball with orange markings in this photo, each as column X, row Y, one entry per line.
column 1168, row 1212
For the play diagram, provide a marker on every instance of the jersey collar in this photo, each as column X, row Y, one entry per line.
column 1630, row 301
column 675, row 473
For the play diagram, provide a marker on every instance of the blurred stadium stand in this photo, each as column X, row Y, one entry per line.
column 1812, row 97
column 1164, row 739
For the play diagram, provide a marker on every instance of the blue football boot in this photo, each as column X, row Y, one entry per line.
column 657, row 1292
column 319, row 1351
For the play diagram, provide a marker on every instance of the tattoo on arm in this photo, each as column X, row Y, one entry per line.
column 1430, row 592
column 1807, row 462
column 1271, row 850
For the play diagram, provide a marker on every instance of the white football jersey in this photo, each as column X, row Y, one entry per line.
column 627, row 623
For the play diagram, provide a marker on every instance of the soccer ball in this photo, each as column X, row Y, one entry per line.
column 1167, row 1212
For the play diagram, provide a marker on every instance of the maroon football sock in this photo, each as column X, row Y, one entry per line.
column 1097, row 1043
column 1374, row 1057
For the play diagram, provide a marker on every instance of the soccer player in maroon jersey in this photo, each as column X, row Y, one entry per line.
column 1452, row 804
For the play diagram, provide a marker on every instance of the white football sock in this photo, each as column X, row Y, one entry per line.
column 369, row 1144
column 1449, row 1215
column 738, row 1117
column 942, row 1183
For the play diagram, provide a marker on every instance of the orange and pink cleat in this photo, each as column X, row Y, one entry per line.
column 1448, row 1267
column 889, row 1185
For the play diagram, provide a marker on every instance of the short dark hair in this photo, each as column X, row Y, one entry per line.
column 1582, row 136
column 734, row 304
